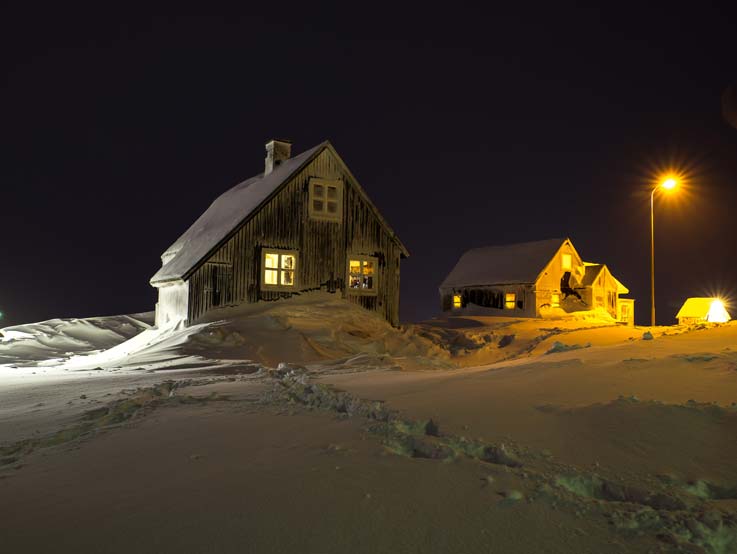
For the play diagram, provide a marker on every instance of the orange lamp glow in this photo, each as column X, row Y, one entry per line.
column 669, row 184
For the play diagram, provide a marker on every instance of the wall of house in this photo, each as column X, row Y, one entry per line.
column 603, row 293
column 626, row 311
column 492, row 298
column 549, row 281
column 173, row 303
column 323, row 248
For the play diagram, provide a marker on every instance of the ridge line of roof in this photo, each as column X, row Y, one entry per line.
column 315, row 151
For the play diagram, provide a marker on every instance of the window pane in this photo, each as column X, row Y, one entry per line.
column 271, row 260
column 555, row 300
column 509, row 300
column 457, row 301
column 319, row 191
column 287, row 261
column 271, row 276
column 332, row 207
column 355, row 282
column 318, row 206
column 368, row 267
column 332, row 193
column 368, row 283
column 287, row 278
column 354, row 266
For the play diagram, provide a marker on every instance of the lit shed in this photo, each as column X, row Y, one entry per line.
column 701, row 310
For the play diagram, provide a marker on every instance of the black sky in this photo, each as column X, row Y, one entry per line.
column 466, row 128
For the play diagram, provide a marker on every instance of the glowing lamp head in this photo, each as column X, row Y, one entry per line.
column 669, row 184
column 717, row 312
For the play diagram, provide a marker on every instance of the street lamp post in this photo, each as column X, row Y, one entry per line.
column 667, row 184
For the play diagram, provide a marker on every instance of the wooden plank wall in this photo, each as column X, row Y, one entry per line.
column 322, row 245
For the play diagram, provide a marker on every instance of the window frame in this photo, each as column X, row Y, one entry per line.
column 324, row 215
column 373, row 291
column 262, row 271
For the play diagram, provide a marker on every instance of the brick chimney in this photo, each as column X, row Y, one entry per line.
column 277, row 151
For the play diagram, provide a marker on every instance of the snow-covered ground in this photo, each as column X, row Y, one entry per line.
column 564, row 434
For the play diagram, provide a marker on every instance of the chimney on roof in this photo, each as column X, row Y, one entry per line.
column 277, row 151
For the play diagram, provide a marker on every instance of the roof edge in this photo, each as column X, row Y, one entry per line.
column 317, row 149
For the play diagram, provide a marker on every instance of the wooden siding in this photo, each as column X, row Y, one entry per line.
column 323, row 247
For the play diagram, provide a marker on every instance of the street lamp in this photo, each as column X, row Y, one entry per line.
column 668, row 184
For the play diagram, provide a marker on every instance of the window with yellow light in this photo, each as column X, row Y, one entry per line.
column 555, row 300
column 279, row 269
column 565, row 262
column 362, row 274
column 510, row 300
column 457, row 302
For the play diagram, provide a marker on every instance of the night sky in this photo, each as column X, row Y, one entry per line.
column 466, row 129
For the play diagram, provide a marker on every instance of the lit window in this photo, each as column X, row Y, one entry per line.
column 326, row 199
column 279, row 268
column 510, row 300
column 457, row 301
column 362, row 274
column 555, row 300
column 565, row 261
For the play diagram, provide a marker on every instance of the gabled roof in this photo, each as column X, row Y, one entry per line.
column 699, row 308
column 496, row 265
column 591, row 274
column 233, row 208
column 594, row 270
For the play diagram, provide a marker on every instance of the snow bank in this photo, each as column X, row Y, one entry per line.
column 60, row 339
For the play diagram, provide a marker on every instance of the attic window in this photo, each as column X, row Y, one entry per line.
column 279, row 269
column 362, row 275
column 510, row 300
column 326, row 200
column 457, row 302
column 565, row 262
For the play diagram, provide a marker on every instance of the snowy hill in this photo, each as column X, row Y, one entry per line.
column 60, row 339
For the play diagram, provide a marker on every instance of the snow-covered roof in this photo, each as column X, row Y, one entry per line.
column 594, row 270
column 703, row 308
column 496, row 265
column 231, row 209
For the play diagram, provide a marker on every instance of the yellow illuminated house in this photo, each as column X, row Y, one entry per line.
column 524, row 280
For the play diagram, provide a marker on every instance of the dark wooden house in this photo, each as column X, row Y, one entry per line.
column 304, row 224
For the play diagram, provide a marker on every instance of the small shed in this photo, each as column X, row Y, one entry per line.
column 702, row 310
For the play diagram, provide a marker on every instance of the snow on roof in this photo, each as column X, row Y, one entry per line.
column 494, row 265
column 592, row 272
column 233, row 207
column 224, row 214
column 702, row 308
